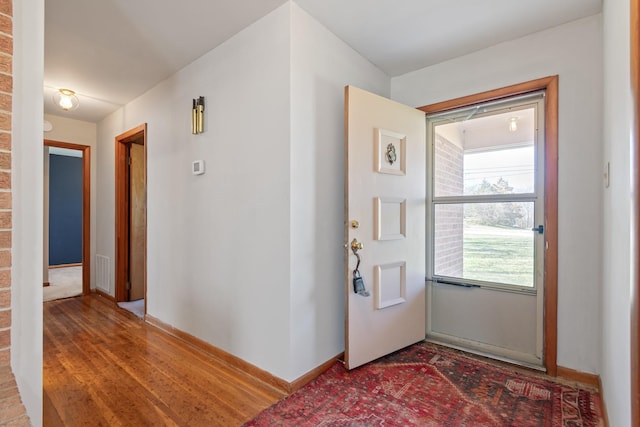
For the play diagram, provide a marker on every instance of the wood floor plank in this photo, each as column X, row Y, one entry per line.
column 103, row 366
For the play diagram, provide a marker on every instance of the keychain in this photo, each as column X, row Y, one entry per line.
column 358, row 284
column 358, row 281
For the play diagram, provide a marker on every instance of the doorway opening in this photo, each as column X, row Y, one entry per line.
column 486, row 228
column 131, row 220
column 497, row 202
column 67, row 175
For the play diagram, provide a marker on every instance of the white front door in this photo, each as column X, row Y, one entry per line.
column 385, row 200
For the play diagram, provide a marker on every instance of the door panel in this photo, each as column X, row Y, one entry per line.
column 474, row 318
column 137, row 217
column 385, row 193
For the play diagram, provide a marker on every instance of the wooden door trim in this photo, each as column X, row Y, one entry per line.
column 122, row 206
column 86, row 208
column 550, row 86
column 635, row 294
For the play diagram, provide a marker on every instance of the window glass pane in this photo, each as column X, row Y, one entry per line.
column 490, row 242
column 485, row 155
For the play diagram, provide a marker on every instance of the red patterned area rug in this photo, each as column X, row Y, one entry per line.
column 426, row 385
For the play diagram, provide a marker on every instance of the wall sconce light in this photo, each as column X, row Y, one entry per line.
column 66, row 99
column 513, row 124
column 197, row 116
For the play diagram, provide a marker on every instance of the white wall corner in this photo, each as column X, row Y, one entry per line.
column 27, row 189
column 321, row 66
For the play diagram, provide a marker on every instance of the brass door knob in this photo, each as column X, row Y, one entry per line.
column 356, row 246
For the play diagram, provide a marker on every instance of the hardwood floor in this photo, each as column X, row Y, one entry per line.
column 104, row 367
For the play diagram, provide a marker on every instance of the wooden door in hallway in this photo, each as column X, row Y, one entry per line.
column 131, row 221
column 137, row 220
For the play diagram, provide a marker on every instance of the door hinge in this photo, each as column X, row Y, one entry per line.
column 128, row 286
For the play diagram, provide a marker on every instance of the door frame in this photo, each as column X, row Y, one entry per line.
column 86, row 208
column 635, row 141
column 122, row 210
column 550, row 86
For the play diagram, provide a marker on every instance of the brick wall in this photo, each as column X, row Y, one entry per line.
column 448, row 232
column 12, row 411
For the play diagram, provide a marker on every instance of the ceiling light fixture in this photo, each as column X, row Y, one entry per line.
column 513, row 124
column 66, row 99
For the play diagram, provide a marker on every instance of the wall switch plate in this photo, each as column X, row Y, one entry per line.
column 197, row 167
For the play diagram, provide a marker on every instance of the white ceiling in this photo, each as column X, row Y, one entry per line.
column 112, row 51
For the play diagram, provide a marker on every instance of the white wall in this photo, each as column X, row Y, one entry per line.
column 27, row 164
column 322, row 65
column 71, row 130
column 218, row 244
column 82, row 133
column 617, row 253
column 573, row 51
column 248, row 257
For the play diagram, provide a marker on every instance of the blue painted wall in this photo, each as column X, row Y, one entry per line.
column 65, row 210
